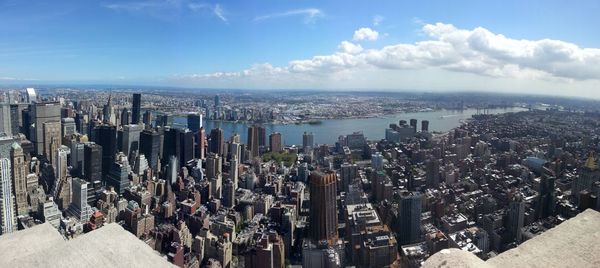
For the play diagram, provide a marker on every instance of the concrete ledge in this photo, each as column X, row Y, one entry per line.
column 574, row 243
column 109, row 246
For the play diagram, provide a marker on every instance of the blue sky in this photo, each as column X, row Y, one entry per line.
column 276, row 44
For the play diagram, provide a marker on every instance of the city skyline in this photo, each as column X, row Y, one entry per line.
column 535, row 47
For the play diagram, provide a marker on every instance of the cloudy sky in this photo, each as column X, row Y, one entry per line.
column 545, row 47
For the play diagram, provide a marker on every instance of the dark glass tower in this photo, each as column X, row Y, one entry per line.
column 92, row 162
column 135, row 109
column 410, row 217
column 150, row 147
column 217, row 141
column 106, row 136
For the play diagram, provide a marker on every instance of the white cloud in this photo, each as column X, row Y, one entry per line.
column 350, row 48
column 377, row 19
column 450, row 58
column 365, row 34
column 218, row 10
column 310, row 15
column 167, row 9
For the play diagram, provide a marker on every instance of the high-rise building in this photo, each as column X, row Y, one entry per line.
column 377, row 161
column 194, row 122
column 275, row 143
column 131, row 139
column 125, row 117
column 307, row 140
column 235, row 150
column 217, row 101
column 588, row 175
column 52, row 139
column 179, row 143
column 214, row 163
column 413, row 124
column 108, row 116
column 424, row 125
column 16, row 117
column 147, row 118
column 118, row 176
column 348, row 174
column 516, row 216
column 150, row 147
column 262, row 136
column 234, row 171
column 19, row 178
column 41, row 113
column 31, row 95
column 61, row 163
column 323, row 212
column 8, row 218
column 136, row 108
column 409, row 217
column 68, row 127
column 201, row 143
column 186, row 144
column 432, row 172
column 106, row 136
column 228, row 194
column 217, row 141
column 5, row 121
column 253, row 145
column 79, row 207
column 92, row 167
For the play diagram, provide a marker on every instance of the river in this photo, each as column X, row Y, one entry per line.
column 373, row 128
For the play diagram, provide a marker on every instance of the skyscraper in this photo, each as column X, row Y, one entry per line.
column 217, row 101
column 92, row 162
column 106, row 136
column 5, row 122
column 194, row 121
column 409, row 217
column 252, row 143
column 125, row 117
column 131, row 139
column 377, row 161
column 432, row 172
column 413, row 124
column 261, row 136
column 179, row 143
column 201, row 142
column 19, row 178
column 323, row 211
column 8, row 218
column 41, row 113
column 217, row 141
column 516, row 215
column 150, row 147
column 425, row 125
column 589, row 174
column 68, row 127
column 348, row 174
column 136, row 108
column 52, row 139
column 275, row 143
column 234, row 172
column 147, row 118
column 79, row 207
column 118, row 176
column 307, row 140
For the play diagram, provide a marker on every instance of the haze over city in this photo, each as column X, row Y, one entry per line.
column 540, row 47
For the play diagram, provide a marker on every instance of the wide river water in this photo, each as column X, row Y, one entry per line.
column 373, row 128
